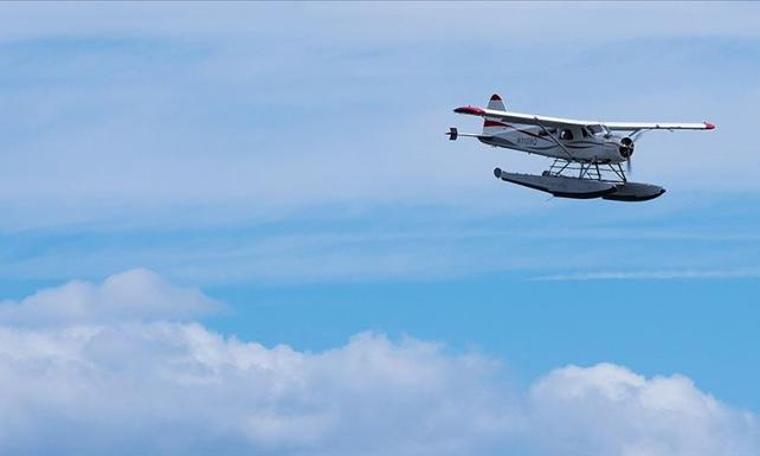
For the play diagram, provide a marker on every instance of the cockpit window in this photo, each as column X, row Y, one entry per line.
column 566, row 135
column 595, row 129
column 585, row 133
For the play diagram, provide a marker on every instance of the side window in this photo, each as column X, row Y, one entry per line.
column 585, row 133
column 566, row 135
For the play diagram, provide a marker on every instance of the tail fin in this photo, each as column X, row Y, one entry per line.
column 496, row 103
column 493, row 125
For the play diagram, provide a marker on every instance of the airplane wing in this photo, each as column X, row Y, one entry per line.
column 658, row 125
column 558, row 122
column 520, row 118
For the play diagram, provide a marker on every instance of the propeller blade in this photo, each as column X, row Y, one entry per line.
column 628, row 165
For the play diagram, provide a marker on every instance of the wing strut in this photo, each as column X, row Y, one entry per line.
column 556, row 141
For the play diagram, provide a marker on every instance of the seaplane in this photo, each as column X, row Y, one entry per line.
column 588, row 156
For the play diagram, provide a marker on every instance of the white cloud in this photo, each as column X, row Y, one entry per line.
column 158, row 387
column 138, row 294
column 607, row 409
column 184, row 388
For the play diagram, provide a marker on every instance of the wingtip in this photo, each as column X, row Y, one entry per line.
column 709, row 125
column 472, row 110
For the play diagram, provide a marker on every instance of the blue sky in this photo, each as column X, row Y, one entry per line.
column 287, row 162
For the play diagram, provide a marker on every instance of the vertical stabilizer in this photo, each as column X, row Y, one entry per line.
column 496, row 103
column 492, row 125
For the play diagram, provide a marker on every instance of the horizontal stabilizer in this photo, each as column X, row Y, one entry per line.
column 453, row 134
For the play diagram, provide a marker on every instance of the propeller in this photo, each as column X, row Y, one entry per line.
column 634, row 137
column 626, row 151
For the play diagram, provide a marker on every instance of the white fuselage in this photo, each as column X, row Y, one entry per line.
column 579, row 143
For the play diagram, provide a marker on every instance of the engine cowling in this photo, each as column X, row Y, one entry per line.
column 626, row 148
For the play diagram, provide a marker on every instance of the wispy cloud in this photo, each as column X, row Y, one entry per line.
column 155, row 120
column 666, row 274
column 396, row 244
column 115, row 109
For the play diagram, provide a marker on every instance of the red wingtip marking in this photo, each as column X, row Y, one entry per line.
column 495, row 97
column 709, row 126
column 475, row 111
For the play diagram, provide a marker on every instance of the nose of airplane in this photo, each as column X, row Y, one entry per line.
column 626, row 147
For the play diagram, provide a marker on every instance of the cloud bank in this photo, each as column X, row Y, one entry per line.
column 90, row 384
